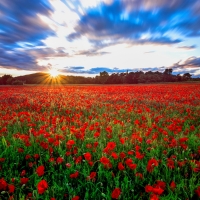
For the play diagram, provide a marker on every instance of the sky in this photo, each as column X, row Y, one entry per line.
column 86, row 37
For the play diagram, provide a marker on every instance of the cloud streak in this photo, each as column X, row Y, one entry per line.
column 192, row 62
column 20, row 22
column 131, row 19
column 18, row 59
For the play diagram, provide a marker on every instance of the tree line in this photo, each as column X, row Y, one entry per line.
column 103, row 78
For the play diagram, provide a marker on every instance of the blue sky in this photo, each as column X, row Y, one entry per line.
column 85, row 37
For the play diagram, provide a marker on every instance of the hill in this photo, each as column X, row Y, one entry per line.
column 45, row 78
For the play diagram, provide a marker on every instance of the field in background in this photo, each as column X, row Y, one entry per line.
column 100, row 142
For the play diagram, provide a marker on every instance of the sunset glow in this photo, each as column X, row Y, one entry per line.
column 53, row 73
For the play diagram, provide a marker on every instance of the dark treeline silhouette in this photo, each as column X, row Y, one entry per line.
column 102, row 78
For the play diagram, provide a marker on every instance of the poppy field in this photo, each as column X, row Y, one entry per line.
column 129, row 142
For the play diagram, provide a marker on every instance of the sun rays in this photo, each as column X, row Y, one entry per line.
column 53, row 73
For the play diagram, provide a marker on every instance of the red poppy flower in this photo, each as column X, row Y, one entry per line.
column 36, row 156
column 122, row 140
column 23, row 173
column 68, row 165
column 184, row 139
column 96, row 144
column 70, row 142
column 24, row 180
column 116, row 193
column 68, row 153
column 2, row 159
column 157, row 190
column 93, row 175
column 139, row 175
column 89, row 146
column 51, row 159
column 40, row 170
column 111, row 145
column 139, row 155
column 170, row 164
column 59, row 160
column 78, row 159
column 122, row 155
column 27, row 156
column 91, row 163
column 96, row 134
column 151, row 164
column 11, row 198
column 148, row 188
column 128, row 161
column 42, row 186
column 197, row 191
column 30, row 194
column 172, row 185
column 87, row 156
column 114, row 155
column 121, row 166
column 154, row 197
column 161, row 184
column 3, row 184
column 132, row 166
column 20, row 150
column 11, row 188
column 74, row 175
column 104, row 160
column 76, row 198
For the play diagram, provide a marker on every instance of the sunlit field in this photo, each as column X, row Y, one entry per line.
column 100, row 142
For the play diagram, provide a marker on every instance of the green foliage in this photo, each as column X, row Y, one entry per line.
column 103, row 78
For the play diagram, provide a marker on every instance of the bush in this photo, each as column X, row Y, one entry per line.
column 18, row 82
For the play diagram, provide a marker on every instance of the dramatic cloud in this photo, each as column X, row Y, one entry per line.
column 192, row 62
column 190, row 65
column 20, row 21
column 18, row 59
column 132, row 19
column 48, row 53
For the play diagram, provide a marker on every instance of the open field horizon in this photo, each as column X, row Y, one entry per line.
column 115, row 85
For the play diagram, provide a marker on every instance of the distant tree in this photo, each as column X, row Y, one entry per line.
column 178, row 77
column 142, row 78
column 103, row 77
column 130, row 78
column 187, row 76
column 123, row 77
column 168, row 71
column 115, row 78
column 6, row 79
column 9, row 81
column 167, row 75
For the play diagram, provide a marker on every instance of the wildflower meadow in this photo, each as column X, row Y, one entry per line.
column 128, row 142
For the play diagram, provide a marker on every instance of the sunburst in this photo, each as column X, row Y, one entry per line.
column 53, row 73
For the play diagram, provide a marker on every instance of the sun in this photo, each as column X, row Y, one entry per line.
column 53, row 73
